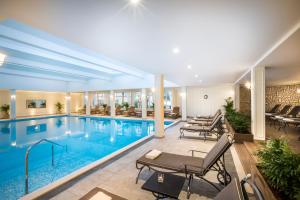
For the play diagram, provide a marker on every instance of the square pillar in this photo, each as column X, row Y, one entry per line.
column 237, row 97
column 159, row 106
column 87, row 103
column 112, row 104
column 68, row 103
column 258, row 103
column 144, row 103
column 183, row 104
column 12, row 105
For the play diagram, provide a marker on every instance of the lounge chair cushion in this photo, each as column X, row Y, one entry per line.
column 173, row 162
column 214, row 153
column 232, row 191
column 196, row 128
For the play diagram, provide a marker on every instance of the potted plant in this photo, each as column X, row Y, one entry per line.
column 125, row 105
column 237, row 123
column 280, row 167
column 5, row 110
column 59, row 107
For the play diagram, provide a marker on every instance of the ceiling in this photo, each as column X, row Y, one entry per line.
column 220, row 39
column 283, row 65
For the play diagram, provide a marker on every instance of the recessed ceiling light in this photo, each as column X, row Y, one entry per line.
column 2, row 58
column 196, row 75
column 176, row 50
column 135, row 2
column 189, row 67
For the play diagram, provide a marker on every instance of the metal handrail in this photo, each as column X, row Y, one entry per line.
column 27, row 155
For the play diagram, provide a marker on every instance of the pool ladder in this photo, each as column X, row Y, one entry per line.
column 27, row 155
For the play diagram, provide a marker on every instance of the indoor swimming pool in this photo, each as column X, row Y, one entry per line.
column 75, row 141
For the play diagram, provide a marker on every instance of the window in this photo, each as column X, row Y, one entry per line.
column 118, row 98
column 150, row 101
column 122, row 97
column 100, row 98
column 138, row 100
column 167, row 99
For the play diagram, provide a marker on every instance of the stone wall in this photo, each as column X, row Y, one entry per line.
column 245, row 100
column 284, row 94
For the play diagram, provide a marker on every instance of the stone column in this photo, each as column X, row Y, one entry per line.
column 144, row 103
column 68, row 103
column 112, row 104
column 87, row 103
column 237, row 96
column 159, row 106
column 258, row 103
column 12, row 106
column 183, row 104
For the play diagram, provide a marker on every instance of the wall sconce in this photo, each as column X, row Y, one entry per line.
column 86, row 96
column 298, row 90
column 153, row 89
column 2, row 59
column 111, row 96
column 248, row 85
column 68, row 97
column 182, row 94
column 13, row 97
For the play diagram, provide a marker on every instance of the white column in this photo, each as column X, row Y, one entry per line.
column 68, row 103
column 159, row 106
column 183, row 104
column 112, row 104
column 258, row 103
column 87, row 103
column 237, row 97
column 132, row 97
column 12, row 106
column 144, row 103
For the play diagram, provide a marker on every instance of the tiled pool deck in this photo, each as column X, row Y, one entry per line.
column 118, row 177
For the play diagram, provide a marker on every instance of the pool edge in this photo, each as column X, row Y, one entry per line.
column 52, row 186
column 56, row 184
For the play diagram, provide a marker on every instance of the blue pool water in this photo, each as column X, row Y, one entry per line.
column 86, row 140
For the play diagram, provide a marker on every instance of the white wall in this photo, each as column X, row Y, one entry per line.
column 76, row 102
column 197, row 105
column 51, row 99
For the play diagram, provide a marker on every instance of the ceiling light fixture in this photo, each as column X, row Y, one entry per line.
column 2, row 59
column 135, row 2
column 189, row 67
column 196, row 75
column 176, row 50
column 248, row 85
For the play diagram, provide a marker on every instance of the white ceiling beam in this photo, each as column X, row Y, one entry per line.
column 21, row 47
column 38, row 75
column 51, row 68
column 45, row 44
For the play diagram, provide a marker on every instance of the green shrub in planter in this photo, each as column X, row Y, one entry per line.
column 281, row 168
column 239, row 121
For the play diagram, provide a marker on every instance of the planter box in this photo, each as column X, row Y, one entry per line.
column 239, row 137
